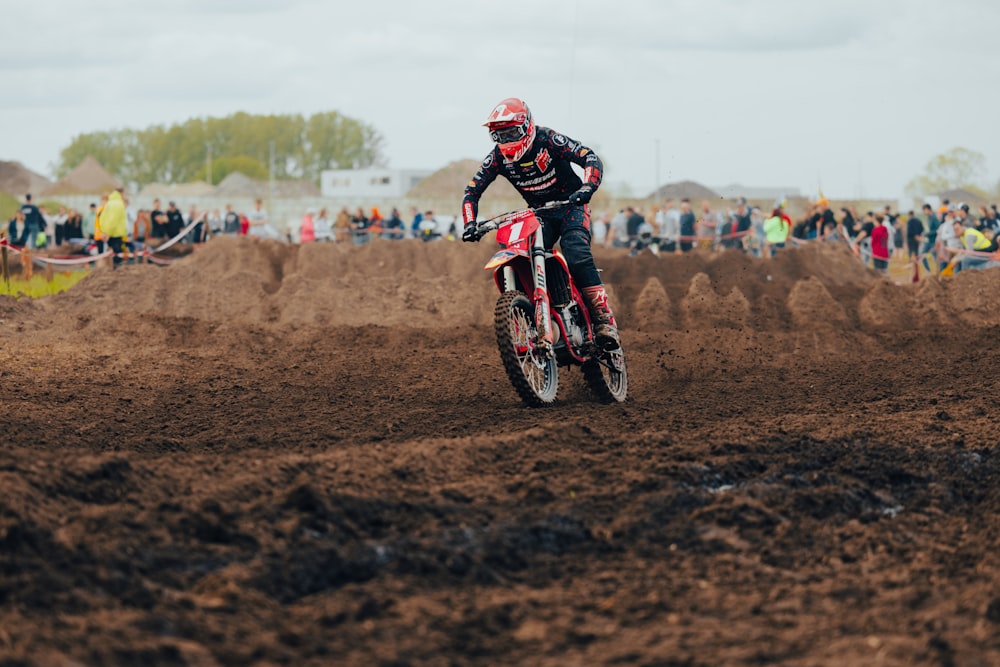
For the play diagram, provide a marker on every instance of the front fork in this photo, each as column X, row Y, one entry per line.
column 543, row 319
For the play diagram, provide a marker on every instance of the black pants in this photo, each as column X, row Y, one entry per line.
column 570, row 226
column 117, row 244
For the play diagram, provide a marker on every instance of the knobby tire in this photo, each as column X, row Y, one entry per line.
column 606, row 385
column 514, row 318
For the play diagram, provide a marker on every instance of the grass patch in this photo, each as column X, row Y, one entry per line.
column 8, row 206
column 38, row 286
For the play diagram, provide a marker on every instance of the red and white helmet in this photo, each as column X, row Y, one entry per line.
column 512, row 128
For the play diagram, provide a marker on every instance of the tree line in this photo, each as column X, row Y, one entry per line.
column 957, row 168
column 303, row 147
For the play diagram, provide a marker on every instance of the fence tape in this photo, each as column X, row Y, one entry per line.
column 182, row 234
column 75, row 261
column 61, row 261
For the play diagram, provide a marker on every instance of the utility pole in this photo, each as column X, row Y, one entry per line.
column 656, row 183
column 208, row 163
column 270, row 179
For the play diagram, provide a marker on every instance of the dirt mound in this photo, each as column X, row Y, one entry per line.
column 704, row 307
column 652, row 306
column 13, row 309
column 271, row 454
column 251, row 282
column 449, row 183
column 18, row 180
column 448, row 180
column 814, row 290
column 811, row 304
column 684, row 190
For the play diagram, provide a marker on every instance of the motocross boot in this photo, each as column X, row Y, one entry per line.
column 605, row 327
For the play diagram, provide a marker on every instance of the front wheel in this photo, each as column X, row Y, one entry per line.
column 535, row 375
column 607, row 376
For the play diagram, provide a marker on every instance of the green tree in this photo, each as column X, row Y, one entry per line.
column 957, row 168
column 303, row 147
column 325, row 132
column 108, row 148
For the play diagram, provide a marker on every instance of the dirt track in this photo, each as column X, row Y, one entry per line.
column 310, row 456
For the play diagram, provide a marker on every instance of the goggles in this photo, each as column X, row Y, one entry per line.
column 509, row 134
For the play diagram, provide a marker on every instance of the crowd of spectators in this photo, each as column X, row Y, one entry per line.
column 34, row 227
column 675, row 227
column 951, row 235
column 424, row 225
column 956, row 238
column 946, row 239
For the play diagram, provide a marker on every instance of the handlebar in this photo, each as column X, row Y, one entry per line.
column 487, row 226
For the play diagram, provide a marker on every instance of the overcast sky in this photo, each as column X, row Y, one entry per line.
column 854, row 95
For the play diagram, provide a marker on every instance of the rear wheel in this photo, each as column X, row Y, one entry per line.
column 535, row 376
column 607, row 376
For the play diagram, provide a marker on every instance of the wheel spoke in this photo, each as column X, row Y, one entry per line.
column 533, row 374
column 531, row 366
column 607, row 376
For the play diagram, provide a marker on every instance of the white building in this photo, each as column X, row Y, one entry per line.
column 369, row 183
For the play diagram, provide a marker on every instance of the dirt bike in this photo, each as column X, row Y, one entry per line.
column 550, row 328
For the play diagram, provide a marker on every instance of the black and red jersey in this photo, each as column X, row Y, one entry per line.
column 542, row 175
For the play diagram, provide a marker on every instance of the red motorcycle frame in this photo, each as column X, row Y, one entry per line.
column 552, row 327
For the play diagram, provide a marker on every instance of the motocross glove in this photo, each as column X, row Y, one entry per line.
column 470, row 233
column 582, row 196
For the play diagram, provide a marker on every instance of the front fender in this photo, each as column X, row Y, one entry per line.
column 505, row 256
column 519, row 260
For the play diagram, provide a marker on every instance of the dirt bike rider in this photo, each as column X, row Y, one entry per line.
column 536, row 160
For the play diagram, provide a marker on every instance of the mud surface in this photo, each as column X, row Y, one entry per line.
column 269, row 455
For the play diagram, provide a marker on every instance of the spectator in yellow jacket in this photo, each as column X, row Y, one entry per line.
column 114, row 224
